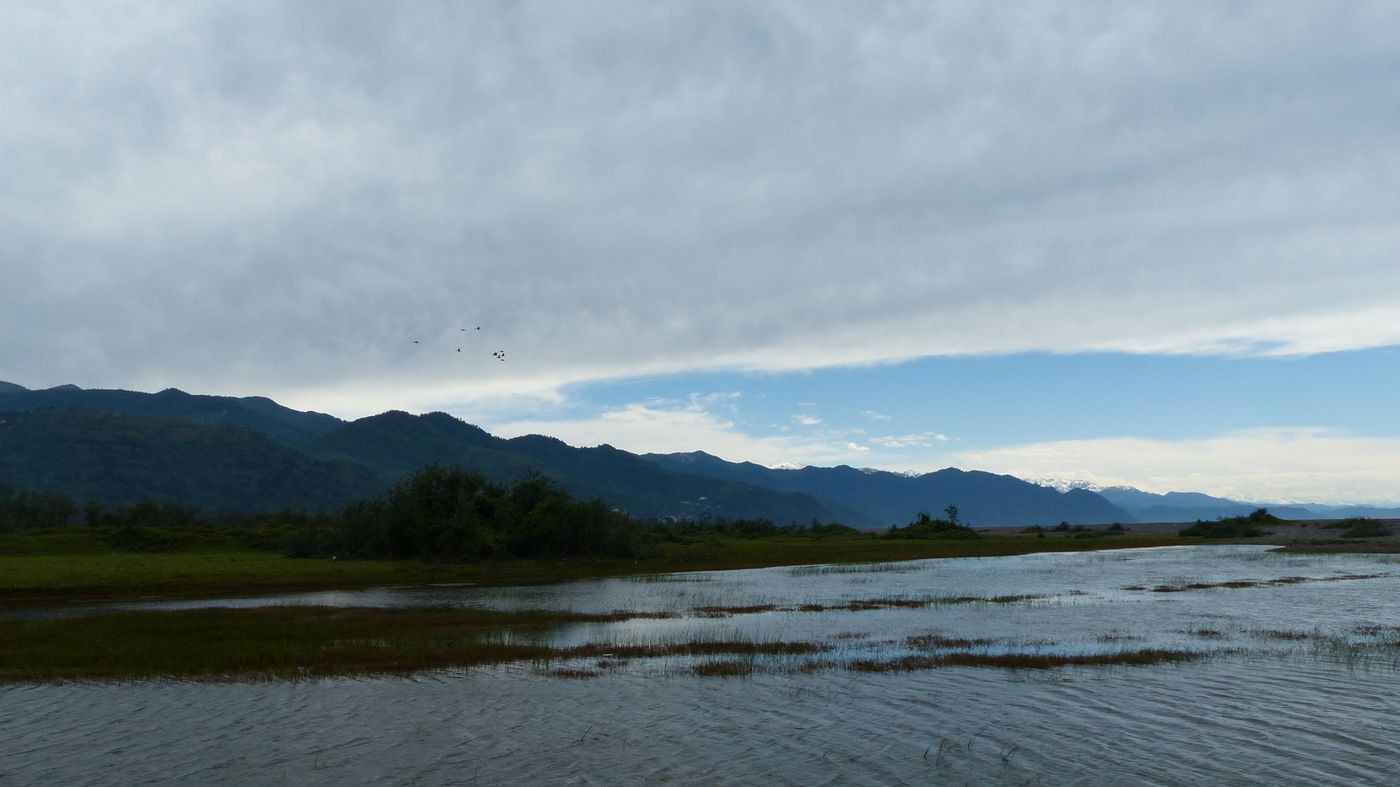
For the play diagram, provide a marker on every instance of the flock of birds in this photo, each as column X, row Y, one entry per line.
column 499, row 355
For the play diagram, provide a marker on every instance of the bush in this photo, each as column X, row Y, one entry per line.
column 1234, row 527
column 925, row 527
column 450, row 514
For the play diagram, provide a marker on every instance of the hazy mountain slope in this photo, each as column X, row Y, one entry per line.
column 257, row 413
column 1190, row 506
column 1344, row 512
column 119, row 459
column 891, row 498
column 635, row 484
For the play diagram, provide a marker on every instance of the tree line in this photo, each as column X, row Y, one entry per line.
column 437, row 513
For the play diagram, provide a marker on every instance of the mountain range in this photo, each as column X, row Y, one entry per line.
column 231, row 454
column 1192, row 506
column 222, row 453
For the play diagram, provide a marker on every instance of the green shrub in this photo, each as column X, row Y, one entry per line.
column 926, row 527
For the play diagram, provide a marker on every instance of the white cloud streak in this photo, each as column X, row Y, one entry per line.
column 1282, row 465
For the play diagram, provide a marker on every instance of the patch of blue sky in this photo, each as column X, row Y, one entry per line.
column 997, row 400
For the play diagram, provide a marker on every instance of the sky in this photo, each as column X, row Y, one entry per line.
column 1150, row 244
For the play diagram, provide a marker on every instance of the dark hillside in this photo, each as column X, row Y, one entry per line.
column 118, row 459
column 257, row 413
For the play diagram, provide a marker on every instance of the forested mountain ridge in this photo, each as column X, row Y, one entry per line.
column 257, row 413
column 121, row 459
column 252, row 454
column 227, row 454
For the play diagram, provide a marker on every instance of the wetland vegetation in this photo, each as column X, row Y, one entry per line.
column 446, row 527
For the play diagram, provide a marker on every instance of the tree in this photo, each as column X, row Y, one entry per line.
column 952, row 512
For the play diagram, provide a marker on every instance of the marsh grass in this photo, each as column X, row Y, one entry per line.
column 1026, row 661
column 936, row 641
column 79, row 565
column 1282, row 634
column 304, row 642
column 1181, row 587
column 869, row 604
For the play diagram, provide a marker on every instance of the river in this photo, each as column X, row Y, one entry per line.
column 1296, row 685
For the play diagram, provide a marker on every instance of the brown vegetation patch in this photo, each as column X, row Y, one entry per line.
column 724, row 612
column 1025, row 660
column 1255, row 583
column 934, row 640
column 869, row 604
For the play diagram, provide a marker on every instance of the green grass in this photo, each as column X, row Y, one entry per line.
column 84, row 565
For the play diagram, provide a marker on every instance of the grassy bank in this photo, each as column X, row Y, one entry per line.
column 85, row 565
column 282, row 643
column 294, row 642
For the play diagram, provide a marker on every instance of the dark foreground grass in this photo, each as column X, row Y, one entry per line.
column 69, row 566
column 290, row 643
column 278, row 643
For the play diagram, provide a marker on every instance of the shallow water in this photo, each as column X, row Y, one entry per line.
column 1301, row 689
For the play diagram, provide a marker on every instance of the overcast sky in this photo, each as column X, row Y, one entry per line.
column 774, row 231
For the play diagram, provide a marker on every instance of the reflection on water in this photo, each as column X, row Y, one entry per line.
column 1301, row 693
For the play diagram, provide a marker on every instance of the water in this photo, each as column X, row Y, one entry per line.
column 1301, row 688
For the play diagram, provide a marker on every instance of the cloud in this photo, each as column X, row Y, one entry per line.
column 921, row 440
column 806, row 420
column 672, row 427
column 273, row 198
column 1278, row 465
column 1281, row 465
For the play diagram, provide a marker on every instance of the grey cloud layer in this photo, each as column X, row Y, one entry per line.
column 277, row 197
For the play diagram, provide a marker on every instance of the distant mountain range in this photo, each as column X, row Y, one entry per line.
column 222, row 453
column 251, row 454
column 981, row 498
column 1191, row 506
